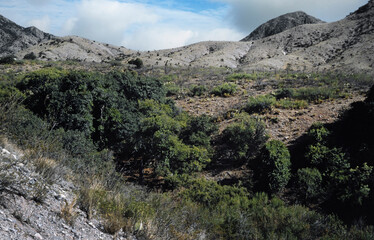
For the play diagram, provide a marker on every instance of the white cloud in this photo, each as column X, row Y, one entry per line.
column 106, row 20
column 42, row 23
column 146, row 27
column 248, row 14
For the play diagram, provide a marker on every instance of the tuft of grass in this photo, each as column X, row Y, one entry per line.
column 291, row 104
column 68, row 213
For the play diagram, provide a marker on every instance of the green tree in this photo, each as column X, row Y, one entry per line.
column 243, row 139
column 273, row 169
column 309, row 181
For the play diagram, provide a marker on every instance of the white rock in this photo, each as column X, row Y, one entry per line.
column 5, row 152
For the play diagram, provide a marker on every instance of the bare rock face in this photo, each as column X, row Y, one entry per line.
column 281, row 24
column 14, row 38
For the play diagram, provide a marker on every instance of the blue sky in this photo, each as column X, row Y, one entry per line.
column 151, row 24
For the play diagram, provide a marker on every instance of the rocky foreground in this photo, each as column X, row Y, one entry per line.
column 33, row 208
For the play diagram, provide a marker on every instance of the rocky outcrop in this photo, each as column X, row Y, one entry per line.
column 32, row 207
column 280, row 24
column 14, row 38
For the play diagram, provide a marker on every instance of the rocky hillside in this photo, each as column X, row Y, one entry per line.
column 281, row 24
column 346, row 45
column 14, row 38
column 33, row 207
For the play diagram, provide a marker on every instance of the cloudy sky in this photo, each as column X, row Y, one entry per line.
column 159, row 24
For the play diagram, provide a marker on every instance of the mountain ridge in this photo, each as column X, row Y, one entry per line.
column 280, row 24
column 346, row 45
column 14, row 38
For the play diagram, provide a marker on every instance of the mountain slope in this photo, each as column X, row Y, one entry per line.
column 14, row 38
column 281, row 24
column 346, row 45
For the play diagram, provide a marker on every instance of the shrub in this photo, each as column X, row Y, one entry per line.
column 316, row 94
column 10, row 59
column 285, row 93
column 238, row 76
column 273, row 168
column 30, row 56
column 199, row 131
column 243, row 139
column 197, row 90
column 318, row 133
column 309, row 181
column 172, row 89
column 211, row 194
column 137, row 62
column 259, row 104
column 225, row 90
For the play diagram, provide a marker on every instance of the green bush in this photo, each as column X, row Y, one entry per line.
column 291, row 104
column 318, row 133
column 137, row 62
column 309, row 181
column 225, row 90
column 273, row 169
column 211, row 194
column 199, row 131
column 316, row 94
column 285, row 93
column 259, row 104
column 243, row 139
column 238, row 76
column 197, row 90
column 172, row 89
column 10, row 59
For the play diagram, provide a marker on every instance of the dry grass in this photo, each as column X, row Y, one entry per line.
column 68, row 213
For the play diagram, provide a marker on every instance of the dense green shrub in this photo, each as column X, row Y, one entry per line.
column 225, row 90
column 199, row 130
column 309, row 181
column 243, row 139
column 211, row 194
column 103, row 107
column 137, row 62
column 172, row 89
column 285, row 93
column 159, row 140
column 274, row 166
column 259, row 104
column 10, row 59
column 197, row 90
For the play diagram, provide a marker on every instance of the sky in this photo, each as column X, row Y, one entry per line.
column 160, row 24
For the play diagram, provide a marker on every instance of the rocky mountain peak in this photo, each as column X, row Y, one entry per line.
column 14, row 38
column 280, row 24
column 366, row 11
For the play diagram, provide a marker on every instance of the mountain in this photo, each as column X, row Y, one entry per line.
column 14, row 38
column 346, row 45
column 281, row 24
